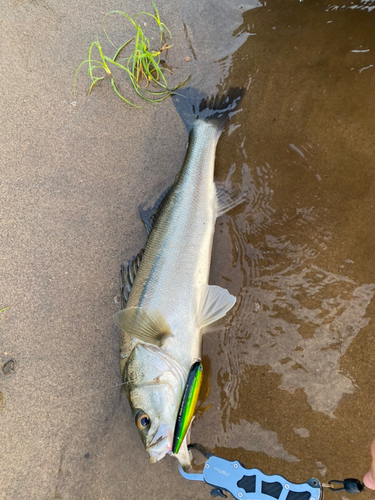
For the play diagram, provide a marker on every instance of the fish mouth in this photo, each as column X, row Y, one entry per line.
column 161, row 443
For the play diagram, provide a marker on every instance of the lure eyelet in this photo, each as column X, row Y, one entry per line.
column 142, row 420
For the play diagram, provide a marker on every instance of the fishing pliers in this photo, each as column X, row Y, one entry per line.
column 253, row 484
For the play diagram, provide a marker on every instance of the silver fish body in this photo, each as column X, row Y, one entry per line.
column 170, row 300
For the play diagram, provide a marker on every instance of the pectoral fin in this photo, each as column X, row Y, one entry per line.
column 147, row 326
column 216, row 302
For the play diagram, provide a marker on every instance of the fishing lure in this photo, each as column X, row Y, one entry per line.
column 187, row 405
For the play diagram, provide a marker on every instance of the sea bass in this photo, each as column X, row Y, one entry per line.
column 165, row 289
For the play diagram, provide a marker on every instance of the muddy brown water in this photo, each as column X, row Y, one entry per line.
column 289, row 384
column 290, row 378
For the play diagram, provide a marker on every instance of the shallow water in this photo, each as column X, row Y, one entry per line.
column 288, row 379
column 289, row 376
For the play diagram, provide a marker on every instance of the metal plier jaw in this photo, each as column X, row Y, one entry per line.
column 251, row 484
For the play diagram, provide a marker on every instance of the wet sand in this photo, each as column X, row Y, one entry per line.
column 288, row 381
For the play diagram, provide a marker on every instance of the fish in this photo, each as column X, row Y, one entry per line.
column 166, row 299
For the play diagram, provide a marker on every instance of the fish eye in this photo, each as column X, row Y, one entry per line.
column 142, row 420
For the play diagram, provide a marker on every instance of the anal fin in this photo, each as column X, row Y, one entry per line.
column 216, row 302
column 228, row 197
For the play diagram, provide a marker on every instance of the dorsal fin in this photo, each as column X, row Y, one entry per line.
column 150, row 214
column 128, row 273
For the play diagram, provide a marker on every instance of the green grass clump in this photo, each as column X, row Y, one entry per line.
column 143, row 66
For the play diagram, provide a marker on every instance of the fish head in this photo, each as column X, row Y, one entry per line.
column 155, row 383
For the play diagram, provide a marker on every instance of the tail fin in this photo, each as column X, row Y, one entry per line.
column 192, row 105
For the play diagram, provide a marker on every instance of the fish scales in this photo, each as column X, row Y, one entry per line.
column 177, row 257
column 170, row 300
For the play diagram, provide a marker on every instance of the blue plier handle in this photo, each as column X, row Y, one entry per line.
column 250, row 484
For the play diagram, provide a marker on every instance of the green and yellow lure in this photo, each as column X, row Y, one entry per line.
column 188, row 404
